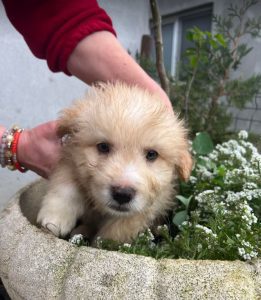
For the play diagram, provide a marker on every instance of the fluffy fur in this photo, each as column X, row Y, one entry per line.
column 132, row 123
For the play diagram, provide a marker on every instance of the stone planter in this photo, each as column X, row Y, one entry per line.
column 36, row 265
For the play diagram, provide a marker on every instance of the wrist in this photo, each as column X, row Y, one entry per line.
column 8, row 148
column 22, row 148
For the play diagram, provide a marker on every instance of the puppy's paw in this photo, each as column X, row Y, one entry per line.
column 58, row 224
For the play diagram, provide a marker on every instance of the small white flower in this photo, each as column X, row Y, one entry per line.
column 247, row 256
column 77, row 239
column 241, row 251
column 162, row 227
column 207, row 230
column 193, row 179
column 243, row 135
column 150, row 235
column 184, row 223
column 199, row 247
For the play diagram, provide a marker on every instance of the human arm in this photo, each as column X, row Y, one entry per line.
column 78, row 38
column 90, row 62
column 61, row 33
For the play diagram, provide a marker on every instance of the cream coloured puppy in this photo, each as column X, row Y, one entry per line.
column 119, row 166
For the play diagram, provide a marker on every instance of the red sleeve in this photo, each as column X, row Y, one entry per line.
column 53, row 28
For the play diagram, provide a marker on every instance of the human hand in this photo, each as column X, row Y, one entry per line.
column 91, row 64
column 39, row 148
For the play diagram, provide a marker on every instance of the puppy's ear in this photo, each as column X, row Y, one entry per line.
column 68, row 122
column 184, row 166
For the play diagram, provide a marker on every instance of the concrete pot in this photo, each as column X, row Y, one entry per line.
column 36, row 265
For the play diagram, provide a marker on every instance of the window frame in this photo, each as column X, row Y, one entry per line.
column 175, row 18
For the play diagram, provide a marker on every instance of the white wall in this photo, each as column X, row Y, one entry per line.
column 130, row 19
column 31, row 94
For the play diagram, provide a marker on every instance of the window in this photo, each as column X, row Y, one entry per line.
column 174, row 28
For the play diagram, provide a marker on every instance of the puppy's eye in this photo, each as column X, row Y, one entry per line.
column 151, row 155
column 103, row 148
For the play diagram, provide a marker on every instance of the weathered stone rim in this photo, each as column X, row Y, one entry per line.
column 36, row 265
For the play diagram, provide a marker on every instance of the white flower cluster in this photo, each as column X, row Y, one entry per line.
column 77, row 239
column 148, row 238
column 243, row 135
column 241, row 175
column 237, row 197
column 204, row 173
column 163, row 228
column 207, row 237
column 147, row 235
column 231, row 152
column 232, row 174
column 240, row 160
column 247, row 251
column 193, row 179
column 206, row 230
column 229, row 203
column 250, row 186
column 209, row 200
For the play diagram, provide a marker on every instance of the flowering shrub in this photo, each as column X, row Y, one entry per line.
column 219, row 212
column 226, row 185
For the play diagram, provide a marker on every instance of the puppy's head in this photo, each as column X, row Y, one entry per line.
column 126, row 149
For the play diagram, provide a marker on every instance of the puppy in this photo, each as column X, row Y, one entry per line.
column 118, row 167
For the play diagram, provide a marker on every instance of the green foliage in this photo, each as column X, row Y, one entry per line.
column 219, row 210
column 204, row 88
column 148, row 65
column 183, row 214
column 240, row 91
column 202, row 144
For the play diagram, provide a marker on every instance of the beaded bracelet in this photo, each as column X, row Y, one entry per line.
column 8, row 149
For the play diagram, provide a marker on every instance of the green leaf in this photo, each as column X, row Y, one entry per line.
column 180, row 217
column 184, row 200
column 220, row 38
column 213, row 43
column 193, row 61
column 221, row 170
column 202, row 144
column 202, row 162
column 189, row 35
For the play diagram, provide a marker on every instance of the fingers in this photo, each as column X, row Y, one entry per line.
column 39, row 148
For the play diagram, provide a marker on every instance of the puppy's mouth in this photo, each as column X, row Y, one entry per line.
column 119, row 208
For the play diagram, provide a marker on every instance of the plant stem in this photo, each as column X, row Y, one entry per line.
column 156, row 18
column 189, row 90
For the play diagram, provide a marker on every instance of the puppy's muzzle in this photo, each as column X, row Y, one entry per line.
column 122, row 195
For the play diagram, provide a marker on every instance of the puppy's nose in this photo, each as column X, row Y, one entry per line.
column 122, row 194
